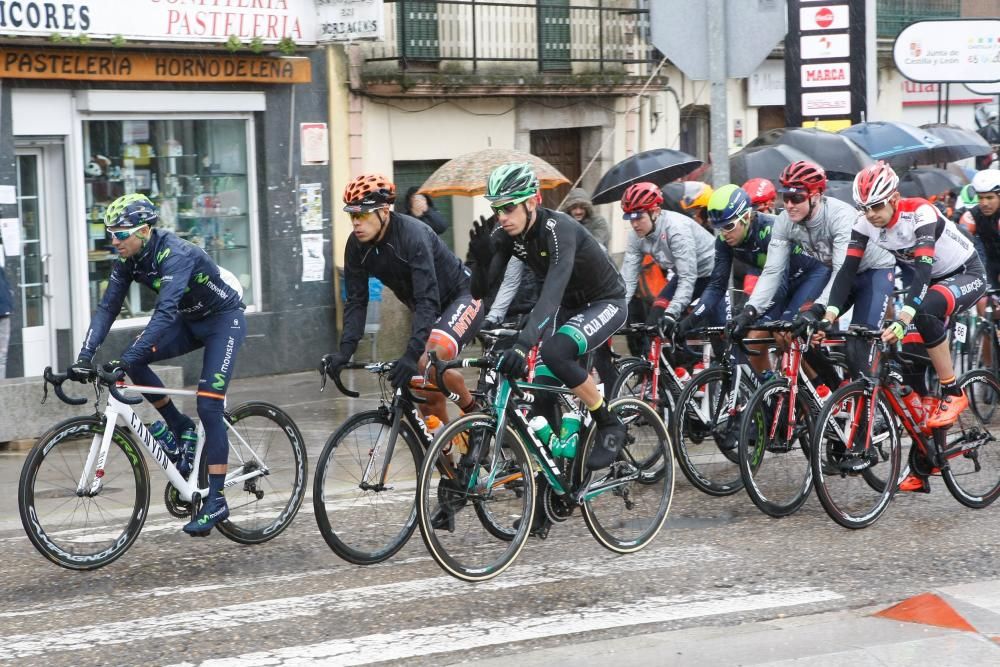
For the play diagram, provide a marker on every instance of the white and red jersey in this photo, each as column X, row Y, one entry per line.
column 918, row 229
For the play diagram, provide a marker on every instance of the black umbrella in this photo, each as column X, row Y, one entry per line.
column 836, row 153
column 766, row 162
column 659, row 166
column 959, row 143
column 901, row 144
column 842, row 190
column 927, row 181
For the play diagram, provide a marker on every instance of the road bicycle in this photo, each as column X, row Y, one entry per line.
column 624, row 506
column 853, row 468
column 364, row 491
column 84, row 490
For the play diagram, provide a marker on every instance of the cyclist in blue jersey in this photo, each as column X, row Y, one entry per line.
column 199, row 305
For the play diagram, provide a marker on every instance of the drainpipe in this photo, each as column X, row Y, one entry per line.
column 338, row 122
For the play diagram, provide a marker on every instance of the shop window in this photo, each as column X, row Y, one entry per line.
column 195, row 171
column 695, row 131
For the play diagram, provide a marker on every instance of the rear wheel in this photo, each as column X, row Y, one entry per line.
column 973, row 453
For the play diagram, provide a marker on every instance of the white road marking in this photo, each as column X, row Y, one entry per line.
column 482, row 632
column 280, row 609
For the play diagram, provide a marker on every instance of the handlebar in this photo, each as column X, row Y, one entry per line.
column 488, row 361
column 99, row 377
column 380, row 368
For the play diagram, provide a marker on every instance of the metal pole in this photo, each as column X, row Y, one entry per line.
column 475, row 63
column 871, row 61
column 336, row 81
column 716, row 40
column 600, row 32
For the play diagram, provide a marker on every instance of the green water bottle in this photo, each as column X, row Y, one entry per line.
column 569, row 435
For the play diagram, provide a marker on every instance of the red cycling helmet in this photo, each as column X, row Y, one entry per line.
column 803, row 176
column 640, row 197
column 761, row 191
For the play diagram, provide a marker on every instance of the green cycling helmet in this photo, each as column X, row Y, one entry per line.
column 512, row 183
column 131, row 211
column 967, row 198
column 727, row 203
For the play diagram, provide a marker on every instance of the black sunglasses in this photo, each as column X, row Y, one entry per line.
column 877, row 206
column 794, row 197
column 505, row 208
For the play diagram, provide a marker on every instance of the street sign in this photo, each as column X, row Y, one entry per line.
column 753, row 29
column 985, row 88
column 350, row 20
column 958, row 50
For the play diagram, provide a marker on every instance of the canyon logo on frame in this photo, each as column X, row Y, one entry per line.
column 195, row 21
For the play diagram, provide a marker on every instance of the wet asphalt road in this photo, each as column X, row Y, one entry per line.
column 719, row 561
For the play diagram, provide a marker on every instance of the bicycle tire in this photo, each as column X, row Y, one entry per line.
column 264, row 506
column 719, row 473
column 635, row 414
column 983, row 452
column 73, row 545
column 984, row 340
column 635, row 379
column 342, row 508
column 771, row 495
column 854, row 498
column 467, row 549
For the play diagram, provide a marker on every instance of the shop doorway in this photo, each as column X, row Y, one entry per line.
column 561, row 149
column 44, row 262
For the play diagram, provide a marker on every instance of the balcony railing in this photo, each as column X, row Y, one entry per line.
column 550, row 35
column 894, row 15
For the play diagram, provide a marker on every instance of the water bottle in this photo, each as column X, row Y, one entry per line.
column 189, row 443
column 912, row 401
column 166, row 438
column 569, row 435
column 823, row 392
column 541, row 428
column 682, row 375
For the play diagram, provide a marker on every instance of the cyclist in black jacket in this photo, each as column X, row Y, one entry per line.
column 582, row 301
column 413, row 262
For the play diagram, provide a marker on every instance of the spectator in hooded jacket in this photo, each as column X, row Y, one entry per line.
column 579, row 206
column 422, row 208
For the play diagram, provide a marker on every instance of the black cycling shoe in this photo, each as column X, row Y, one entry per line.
column 609, row 440
column 212, row 512
column 540, row 526
column 442, row 519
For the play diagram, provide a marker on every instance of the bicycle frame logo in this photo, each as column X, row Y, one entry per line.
column 151, row 443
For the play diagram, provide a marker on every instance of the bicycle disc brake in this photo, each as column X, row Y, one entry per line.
column 177, row 507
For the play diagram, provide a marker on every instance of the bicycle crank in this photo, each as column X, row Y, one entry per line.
column 177, row 507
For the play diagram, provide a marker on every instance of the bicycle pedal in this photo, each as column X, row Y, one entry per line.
column 205, row 533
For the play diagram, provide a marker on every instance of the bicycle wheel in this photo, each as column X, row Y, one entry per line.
column 983, row 352
column 636, row 381
column 775, row 465
column 262, row 437
column 363, row 519
column 854, row 483
column 706, row 430
column 623, row 507
column 973, row 471
column 499, row 480
column 89, row 531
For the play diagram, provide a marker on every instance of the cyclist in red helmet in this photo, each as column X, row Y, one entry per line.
column 762, row 194
column 675, row 242
column 947, row 278
column 412, row 261
column 822, row 227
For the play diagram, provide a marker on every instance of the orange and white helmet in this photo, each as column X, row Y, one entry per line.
column 874, row 184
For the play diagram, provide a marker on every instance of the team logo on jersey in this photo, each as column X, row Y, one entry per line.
column 550, row 223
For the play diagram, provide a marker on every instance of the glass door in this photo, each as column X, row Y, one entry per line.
column 37, row 333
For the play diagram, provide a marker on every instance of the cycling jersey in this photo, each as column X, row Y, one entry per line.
column 825, row 237
column 190, row 286
column 678, row 243
column 987, row 232
column 753, row 251
column 413, row 262
column 919, row 236
column 574, row 268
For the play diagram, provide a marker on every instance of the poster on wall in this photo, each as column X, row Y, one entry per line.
column 313, row 264
column 311, row 206
column 315, row 144
column 10, row 236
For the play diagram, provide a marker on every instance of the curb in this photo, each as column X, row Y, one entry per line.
column 17, row 445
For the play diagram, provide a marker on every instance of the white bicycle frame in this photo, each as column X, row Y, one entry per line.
column 90, row 484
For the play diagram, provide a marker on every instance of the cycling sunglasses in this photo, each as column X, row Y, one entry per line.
column 123, row 234
column 794, row 197
column 505, row 208
column 877, row 206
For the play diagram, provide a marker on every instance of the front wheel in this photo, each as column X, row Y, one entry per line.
column 856, row 456
column 626, row 505
column 265, row 444
column 364, row 517
column 83, row 531
column 495, row 477
column 973, row 454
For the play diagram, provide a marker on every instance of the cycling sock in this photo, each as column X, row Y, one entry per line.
column 470, row 406
column 176, row 420
column 600, row 413
column 950, row 387
column 215, row 483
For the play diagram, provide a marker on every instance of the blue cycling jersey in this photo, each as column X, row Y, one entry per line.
column 753, row 251
column 190, row 286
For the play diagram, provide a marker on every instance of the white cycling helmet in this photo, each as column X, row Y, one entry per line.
column 874, row 184
column 987, row 180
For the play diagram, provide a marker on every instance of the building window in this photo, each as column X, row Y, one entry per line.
column 196, row 172
column 694, row 131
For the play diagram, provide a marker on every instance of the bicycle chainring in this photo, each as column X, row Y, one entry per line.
column 176, row 506
column 557, row 508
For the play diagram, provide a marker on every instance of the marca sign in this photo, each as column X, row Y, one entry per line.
column 164, row 20
column 830, row 75
column 961, row 50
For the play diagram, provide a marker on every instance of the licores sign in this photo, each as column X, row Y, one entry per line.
column 164, row 20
